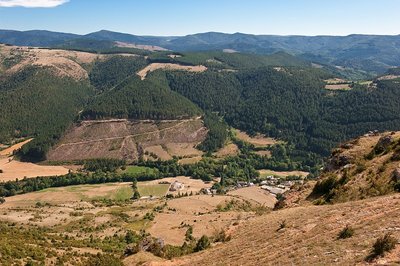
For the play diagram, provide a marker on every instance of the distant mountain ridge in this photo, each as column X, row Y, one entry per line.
column 370, row 53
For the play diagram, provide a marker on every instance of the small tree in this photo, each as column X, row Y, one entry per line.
column 346, row 232
column 134, row 184
column 136, row 195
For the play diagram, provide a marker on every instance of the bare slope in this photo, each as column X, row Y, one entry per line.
column 129, row 140
column 63, row 63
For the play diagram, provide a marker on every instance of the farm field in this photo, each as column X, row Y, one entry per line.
column 154, row 190
column 266, row 172
column 105, row 211
column 9, row 151
column 255, row 194
column 13, row 169
column 133, row 169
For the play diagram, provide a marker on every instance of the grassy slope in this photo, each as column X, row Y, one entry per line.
column 310, row 237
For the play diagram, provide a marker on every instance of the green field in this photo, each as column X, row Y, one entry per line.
column 158, row 190
column 138, row 170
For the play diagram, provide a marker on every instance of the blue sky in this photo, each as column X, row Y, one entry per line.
column 181, row 17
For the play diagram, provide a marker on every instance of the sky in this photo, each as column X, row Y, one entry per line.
column 182, row 17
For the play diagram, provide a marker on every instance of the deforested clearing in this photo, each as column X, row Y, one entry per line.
column 140, row 46
column 258, row 140
column 169, row 66
column 130, row 139
column 63, row 63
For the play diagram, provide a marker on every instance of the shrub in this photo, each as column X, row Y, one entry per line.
column 2, row 200
column 282, row 225
column 346, row 232
column 221, row 236
column 202, row 244
column 325, row 186
column 382, row 245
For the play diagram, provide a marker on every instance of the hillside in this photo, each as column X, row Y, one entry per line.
column 365, row 167
column 310, row 237
column 370, row 54
column 130, row 140
column 359, row 182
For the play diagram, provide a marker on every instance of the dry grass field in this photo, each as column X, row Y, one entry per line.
column 230, row 149
column 63, row 63
column 257, row 141
column 12, row 169
column 266, row 172
column 169, row 66
column 9, row 151
column 256, row 195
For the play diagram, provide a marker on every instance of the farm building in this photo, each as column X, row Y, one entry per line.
column 175, row 186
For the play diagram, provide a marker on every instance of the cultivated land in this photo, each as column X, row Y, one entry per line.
column 9, row 151
column 169, row 66
column 12, row 169
column 125, row 139
column 104, row 211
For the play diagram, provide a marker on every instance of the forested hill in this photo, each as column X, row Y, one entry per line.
column 279, row 95
column 368, row 53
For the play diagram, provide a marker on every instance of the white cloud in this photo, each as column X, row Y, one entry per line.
column 32, row 3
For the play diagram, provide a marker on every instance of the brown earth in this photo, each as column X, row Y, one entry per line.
column 128, row 140
column 168, row 66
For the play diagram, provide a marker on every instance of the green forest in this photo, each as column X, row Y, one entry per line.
column 288, row 103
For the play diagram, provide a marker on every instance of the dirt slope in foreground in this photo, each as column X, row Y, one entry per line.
column 310, row 237
column 129, row 140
